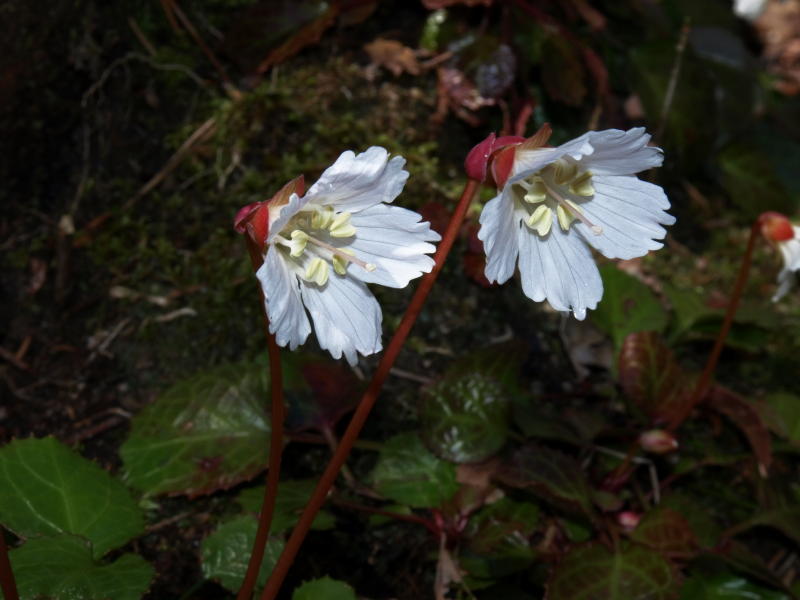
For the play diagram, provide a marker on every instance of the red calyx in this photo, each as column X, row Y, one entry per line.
column 776, row 227
column 477, row 162
column 253, row 219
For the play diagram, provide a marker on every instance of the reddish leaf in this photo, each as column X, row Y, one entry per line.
column 666, row 531
column 651, row 377
column 632, row 572
column 551, row 474
column 332, row 392
column 745, row 416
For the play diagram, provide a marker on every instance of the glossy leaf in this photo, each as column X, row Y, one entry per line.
column 226, row 552
column 48, row 489
column 204, row 434
column 628, row 306
column 325, row 588
column 745, row 416
column 726, row 586
column 552, row 475
column 62, row 568
column 292, row 499
column 465, row 419
column 652, row 379
column 593, row 572
column 409, row 474
column 666, row 531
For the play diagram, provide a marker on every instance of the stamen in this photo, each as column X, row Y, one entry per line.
column 536, row 193
column 596, row 229
column 317, row 271
column 322, row 217
column 298, row 244
column 342, row 254
column 341, row 227
column 541, row 220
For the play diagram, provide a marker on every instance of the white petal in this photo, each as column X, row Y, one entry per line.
column 287, row 319
column 618, row 152
column 280, row 216
column 559, row 268
column 347, row 318
column 631, row 214
column 528, row 162
column 790, row 250
column 498, row 233
column 355, row 182
column 786, row 279
column 395, row 240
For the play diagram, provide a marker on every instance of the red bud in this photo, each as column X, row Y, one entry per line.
column 658, row 441
column 775, row 227
column 477, row 162
column 628, row 519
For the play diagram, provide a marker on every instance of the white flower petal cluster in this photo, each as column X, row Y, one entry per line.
column 324, row 247
column 558, row 203
column 790, row 250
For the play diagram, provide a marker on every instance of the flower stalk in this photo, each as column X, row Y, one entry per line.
column 368, row 399
column 704, row 381
column 278, row 415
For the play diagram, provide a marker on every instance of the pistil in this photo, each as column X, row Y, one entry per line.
column 596, row 229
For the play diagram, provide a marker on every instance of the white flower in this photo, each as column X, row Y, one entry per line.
column 790, row 250
column 556, row 203
column 322, row 248
column 749, row 9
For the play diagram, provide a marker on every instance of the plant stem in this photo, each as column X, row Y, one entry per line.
column 704, row 381
column 368, row 400
column 7, row 583
column 278, row 415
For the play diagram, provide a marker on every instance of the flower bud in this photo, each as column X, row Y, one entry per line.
column 477, row 162
column 628, row 520
column 775, row 227
column 658, row 441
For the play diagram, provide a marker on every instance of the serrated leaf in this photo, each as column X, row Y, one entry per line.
column 408, row 473
column 667, row 532
column 726, row 586
column 499, row 541
column 745, row 416
column 551, row 475
column 785, row 415
column 226, row 552
column 593, row 572
column 47, row 489
column 289, row 504
column 62, row 568
column 652, row 379
column 325, row 588
column 628, row 306
column 749, row 176
column 465, row 419
column 206, row 433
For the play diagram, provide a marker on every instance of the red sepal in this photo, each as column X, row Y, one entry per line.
column 776, row 227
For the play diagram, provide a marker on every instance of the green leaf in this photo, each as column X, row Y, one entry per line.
column 784, row 519
column 551, row 475
column 465, row 419
column 631, row 573
column 204, row 434
column 726, row 586
column 62, row 568
column 689, row 307
column 226, row 552
column 292, row 499
column 700, row 520
column 47, row 489
column 409, row 474
column 324, row 589
column 499, row 539
column 750, row 179
column 627, row 306
column 785, row 415
column 666, row 531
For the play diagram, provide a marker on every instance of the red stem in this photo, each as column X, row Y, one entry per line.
column 427, row 524
column 276, row 446
column 704, row 382
column 7, row 583
column 368, row 400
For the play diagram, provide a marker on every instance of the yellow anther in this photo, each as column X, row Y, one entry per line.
column 582, row 185
column 322, row 218
column 541, row 220
column 536, row 193
column 565, row 217
column 317, row 271
column 341, row 227
column 564, row 172
column 298, row 244
column 340, row 262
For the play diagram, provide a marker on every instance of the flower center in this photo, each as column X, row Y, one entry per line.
column 556, row 190
column 321, row 234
